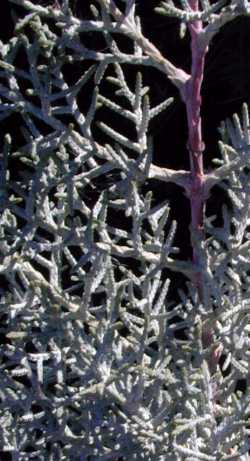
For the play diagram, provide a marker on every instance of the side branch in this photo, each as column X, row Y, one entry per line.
column 180, row 178
column 129, row 27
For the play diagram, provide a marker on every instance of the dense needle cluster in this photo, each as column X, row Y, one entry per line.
column 97, row 363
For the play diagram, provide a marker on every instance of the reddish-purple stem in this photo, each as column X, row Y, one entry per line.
column 192, row 98
column 195, row 143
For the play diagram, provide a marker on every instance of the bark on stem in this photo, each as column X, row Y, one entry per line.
column 196, row 144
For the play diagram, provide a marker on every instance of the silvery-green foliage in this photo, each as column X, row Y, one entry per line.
column 92, row 368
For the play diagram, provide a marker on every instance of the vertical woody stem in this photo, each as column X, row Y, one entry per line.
column 195, row 143
column 197, row 195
